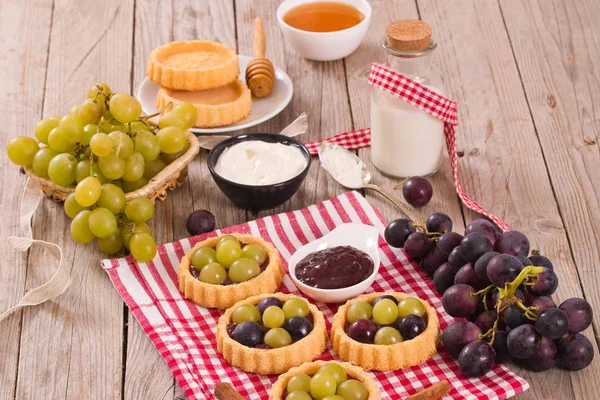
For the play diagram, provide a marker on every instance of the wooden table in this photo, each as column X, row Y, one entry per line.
column 525, row 76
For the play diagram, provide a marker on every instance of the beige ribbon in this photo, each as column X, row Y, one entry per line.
column 30, row 199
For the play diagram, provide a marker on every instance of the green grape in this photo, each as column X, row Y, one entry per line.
column 300, row 383
column 295, row 307
column 142, row 247
column 124, row 107
column 111, row 166
column 139, row 209
column 134, row 168
column 137, row 126
column 102, row 222
column 112, row 244
column 74, row 110
column 245, row 312
column 61, row 169
column 43, row 128
column 110, row 125
column 387, row 335
column 21, row 150
column 101, row 144
column 359, row 310
column 132, row 186
column 146, row 144
column 133, row 228
column 112, row 198
column 88, row 191
column 409, row 306
column 277, row 337
column 336, row 371
column 90, row 112
column 203, row 256
column 182, row 116
column 86, row 154
column 213, row 273
column 88, row 132
column 273, row 316
column 334, row 397
column 41, row 160
column 225, row 239
column 385, row 312
column 228, row 252
column 153, row 167
column 73, row 127
column 353, row 390
column 297, row 395
column 242, row 269
column 58, row 139
column 122, row 144
column 322, row 385
column 72, row 207
column 99, row 92
column 83, row 171
column 80, row 227
column 254, row 252
column 171, row 140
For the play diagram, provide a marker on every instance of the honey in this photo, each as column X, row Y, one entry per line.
column 325, row 16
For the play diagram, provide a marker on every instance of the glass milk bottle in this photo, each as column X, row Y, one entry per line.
column 406, row 141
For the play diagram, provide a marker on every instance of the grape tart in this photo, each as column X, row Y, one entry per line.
column 261, row 359
column 279, row 388
column 211, row 295
column 395, row 354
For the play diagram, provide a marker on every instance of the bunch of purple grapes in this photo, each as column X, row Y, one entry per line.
column 503, row 294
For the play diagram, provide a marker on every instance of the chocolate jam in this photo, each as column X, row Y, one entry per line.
column 334, row 268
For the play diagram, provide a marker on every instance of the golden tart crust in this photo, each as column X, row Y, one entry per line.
column 311, row 368
column 193, row 65
column 220, row 106
column 385, row 357
column 272, row 361
column 220, row 296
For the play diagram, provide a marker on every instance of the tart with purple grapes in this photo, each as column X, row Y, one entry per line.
column 385, row 331
column 220, row 271
column 271, row 333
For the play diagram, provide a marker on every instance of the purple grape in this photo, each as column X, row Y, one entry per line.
column 579, row 312
column 417, row 191
column 438, row 222
column 460, row 301
column 546, row 284
column 507, row 301
column 231, row 328
column 262, row 346
column 456, row 259
column 417, row 245
column 448, row 242
column 503, row 268
column 475, row 245
column 523, row 341
column 468, row 276
column 362, row 330
column 502, row 353
column 268, row 302
column 484, row 227
column 545, row 356
column 457, row 335
column 482, row 263
column 476, row 359
column 385, row 296
column 298, row 327
column 541, row 261
column 525, row 261
column 199, row 222
column 398, row 231
column 248, row 333
column 443, row 278
column 433, row 260
column 410, row 326
column 514, row 316
column 514, row 243
column 575, row 352
column 485, row 320
column 542, row 303
column 552, row 323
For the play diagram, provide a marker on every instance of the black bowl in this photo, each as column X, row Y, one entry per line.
column 256, row 198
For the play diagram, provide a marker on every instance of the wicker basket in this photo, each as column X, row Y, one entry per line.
column 169, row 178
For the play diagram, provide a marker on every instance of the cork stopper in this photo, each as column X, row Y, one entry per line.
column 408, row 35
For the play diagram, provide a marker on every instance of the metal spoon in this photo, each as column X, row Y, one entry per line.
column 365, row 178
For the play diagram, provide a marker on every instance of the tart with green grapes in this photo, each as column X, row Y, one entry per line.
column 324, row 380
column 220, row 271
column 385, row 331
column 271, row 333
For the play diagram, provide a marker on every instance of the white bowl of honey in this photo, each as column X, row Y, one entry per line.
column 324, row 30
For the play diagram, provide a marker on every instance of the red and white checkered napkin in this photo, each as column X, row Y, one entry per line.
column 184, row 334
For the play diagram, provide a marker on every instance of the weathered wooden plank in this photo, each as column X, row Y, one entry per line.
column 71, row 347
column 25, row 29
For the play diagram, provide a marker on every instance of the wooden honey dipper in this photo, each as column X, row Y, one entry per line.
column 260, row 74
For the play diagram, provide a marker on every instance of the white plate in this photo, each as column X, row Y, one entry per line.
column 262, row 109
